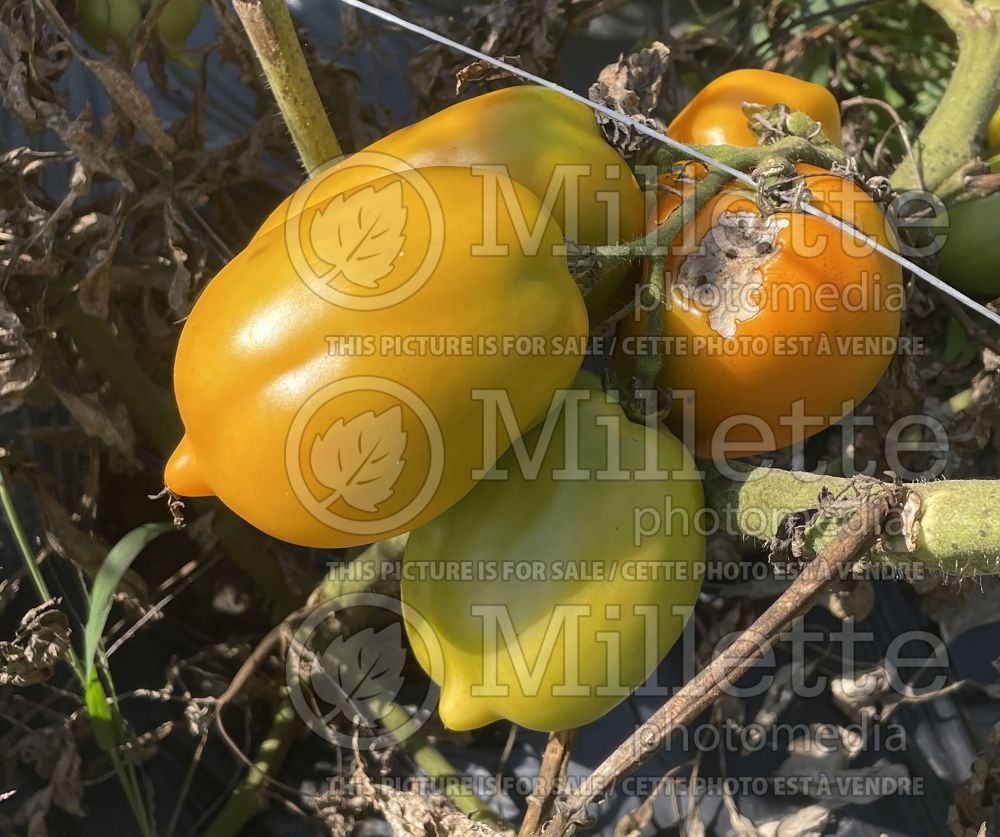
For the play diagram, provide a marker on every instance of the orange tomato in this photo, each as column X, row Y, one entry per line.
column 715, row 116
column 330, row 377
column 774, row 326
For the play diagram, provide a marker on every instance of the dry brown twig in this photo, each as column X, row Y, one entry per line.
column 551, row 774
column 898, row 124
column 854, row 539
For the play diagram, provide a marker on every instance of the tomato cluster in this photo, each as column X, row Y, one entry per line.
column 106, row 22
column 398, row 349
column 403, row 239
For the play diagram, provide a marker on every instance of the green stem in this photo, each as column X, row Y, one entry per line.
column 603, row 263
column 953, row 136
column 378, row 561
column 125, row 772
column 28, row 556
column 746, row 159
column 272, row 35
column 950, row 527
column 250, row 798
column 659, row 242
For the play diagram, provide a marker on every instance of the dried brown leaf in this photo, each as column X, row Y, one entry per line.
column 122, row 88
column 527, row 28
column 41, row 641
column 975, row 798
column 809, row 821
column 9, row 587
column 185, row 252
column 632, row 85
column 407, row 813
column 19, row 361
column 29, row 96
column 479, row 72
column 24, row 162
column 135, row 104
column 94, row 292
column 52, row 753
column 109, row 425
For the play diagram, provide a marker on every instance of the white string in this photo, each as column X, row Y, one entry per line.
column 689, row 152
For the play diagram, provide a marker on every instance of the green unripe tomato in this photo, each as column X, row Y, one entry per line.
column 970, row 257
column 555, row 594
column 104, row 19
column 177, row 20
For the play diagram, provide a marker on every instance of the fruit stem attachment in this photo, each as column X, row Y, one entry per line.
column 654, row 293
column 593, row 264
column 794, row 149
column 947, row 149
column 272, row 35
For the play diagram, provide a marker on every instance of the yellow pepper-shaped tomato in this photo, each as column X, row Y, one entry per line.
column 329, row 376
column 715, row 115
column 556, row 587
column 538, row 137
column 775, row 326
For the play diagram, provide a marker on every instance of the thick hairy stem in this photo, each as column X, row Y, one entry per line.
column 790, row 149
column 951, row 526
column 953, row 136
column 851, row 542
column 272, row 35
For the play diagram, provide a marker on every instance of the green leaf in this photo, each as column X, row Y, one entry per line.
column 106, row 732
column 119, row 559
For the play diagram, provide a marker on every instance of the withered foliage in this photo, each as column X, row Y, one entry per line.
column 114, row 215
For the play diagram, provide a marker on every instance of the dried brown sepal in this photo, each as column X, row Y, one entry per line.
column 631, row 86
column 479, row 72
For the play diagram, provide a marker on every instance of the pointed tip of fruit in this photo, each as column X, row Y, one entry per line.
column 182, row 474
column 460, row 711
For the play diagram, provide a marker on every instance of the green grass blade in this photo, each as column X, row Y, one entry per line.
column 119, row 559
